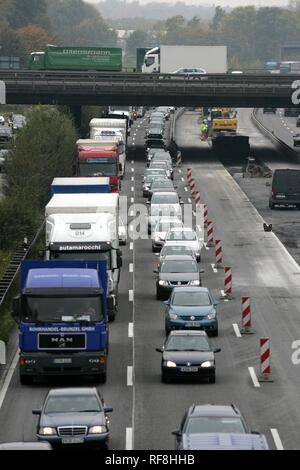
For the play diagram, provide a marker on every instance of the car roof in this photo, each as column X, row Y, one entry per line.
column 215, row 410
column 181, row 229
column 188, row 333
column 179, row 258
column 190, row 289
column 73, row 391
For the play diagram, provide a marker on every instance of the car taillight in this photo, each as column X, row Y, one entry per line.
column 114, row 183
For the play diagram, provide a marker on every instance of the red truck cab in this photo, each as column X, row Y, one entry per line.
column 99, row 161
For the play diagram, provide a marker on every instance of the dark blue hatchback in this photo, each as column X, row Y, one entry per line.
column 191, row 307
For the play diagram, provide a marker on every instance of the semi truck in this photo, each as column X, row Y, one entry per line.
column 61, row 312
column 77, row 58
column 80, row 185
column 167, row 59
column 86, row 227
column 98, row 159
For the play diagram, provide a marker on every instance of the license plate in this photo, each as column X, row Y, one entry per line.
column 72, row 440
column 193, row 323
column 189, row 369
column 62, row 361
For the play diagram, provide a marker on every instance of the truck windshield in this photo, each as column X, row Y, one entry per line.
column 97, row 169
column 62, row 309
column 67, row 255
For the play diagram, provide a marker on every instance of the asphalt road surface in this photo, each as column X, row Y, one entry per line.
column 145, row 410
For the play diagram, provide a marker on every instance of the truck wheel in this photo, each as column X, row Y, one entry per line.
column 26, row 379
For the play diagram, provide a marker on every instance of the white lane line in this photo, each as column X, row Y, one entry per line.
column 129, row 442
column 277, row 439
column 131, row 214
column 129, row 376
column 224, row 296
column 132, row 170
column 132, row 200
column 190, row 201
column 182, row 179
column 132, row 162
column 292, row 132
column 194, row 213
column 207, row 248
column 132, row 188
column 130, row 295
column 130, row 228
column 131, row 267
column 132, row 178
column 130, row 330
column 179, row 171
column 214, row 268
column 8, row 378
column 186, row 189
column 237, row 330
column 284, row 124
column 131, row 246
column 253, row 377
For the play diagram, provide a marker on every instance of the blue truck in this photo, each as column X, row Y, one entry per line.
column 77, row 185
column 62, row 316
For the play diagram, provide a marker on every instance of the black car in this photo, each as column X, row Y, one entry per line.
column 210, row 419
column 176, row 270
column 296, row 140
column 188, row 354
column 269, row 110
column 285, row 188
column 73, row 416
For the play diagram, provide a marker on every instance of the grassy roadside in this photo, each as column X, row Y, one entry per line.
column 5, row 256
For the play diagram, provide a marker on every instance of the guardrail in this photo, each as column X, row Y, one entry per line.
column 282, row 145
column 12, row 270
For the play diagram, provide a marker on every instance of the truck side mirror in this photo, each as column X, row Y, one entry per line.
column 120, row 167
column 16, row 308
column 119, row 259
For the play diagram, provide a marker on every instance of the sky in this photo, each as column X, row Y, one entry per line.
column 233, row 3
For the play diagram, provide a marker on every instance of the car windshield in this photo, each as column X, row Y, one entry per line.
column 191, row 299
column 179, row 266
column 88, row 255
column 165, row 226
column 72, row 404
column 162, row 184
column 214, row 424
column 182, row 235
column 187, row 343
column 62, row 309
column 176, row 250
column 165, row 199
column 155, row 171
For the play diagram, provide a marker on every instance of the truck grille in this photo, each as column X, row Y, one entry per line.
column 67, row 431
column 62, row 341
column 179, row 283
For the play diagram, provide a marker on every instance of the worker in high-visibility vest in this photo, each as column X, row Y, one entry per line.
column 204, row 129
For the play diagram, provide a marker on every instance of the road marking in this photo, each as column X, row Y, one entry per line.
column 132, row 178
column 132, row 188
column 132, row 162
column 194, row 213
column 214, row 268
column 132, row 170
column 129, row 376
column 190, row 202
column 131, row 267
column 284, row 124
column 132, row 200
column 130, row 330
column 237, row 330
column 129, row 442
column 130, row 228
column 253, row 377
column 292, row 132
column 277, row 439
column 131, row 214
column 179, row 171
column 8, row 378
column 131, row 246
column 130, row 295
column 186, row 189
column 182, row 179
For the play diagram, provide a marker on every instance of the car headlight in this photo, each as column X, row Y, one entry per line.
column 170, row 364
column 97, row 429
column 173, row 316
column 211, row 315
column 195, row 283
column 163, row 283
column 147, row 188
column 207, row 364
column 47, row 431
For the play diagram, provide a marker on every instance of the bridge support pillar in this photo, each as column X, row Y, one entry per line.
column 76, row 112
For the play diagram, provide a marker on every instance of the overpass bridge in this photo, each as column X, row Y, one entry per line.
column 74, row 88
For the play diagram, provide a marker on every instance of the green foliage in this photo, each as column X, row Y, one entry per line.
column 136, row 39
column 12, row 44
column 25, row 12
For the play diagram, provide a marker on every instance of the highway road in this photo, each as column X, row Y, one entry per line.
column 145, row 410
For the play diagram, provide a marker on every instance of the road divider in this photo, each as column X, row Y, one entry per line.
column 246, row 316
column 265, row 360
column 218, row 254
column 210, row 234
column 228, row 282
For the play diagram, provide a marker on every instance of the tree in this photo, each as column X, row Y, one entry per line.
column 136, row 39
column 25, row 12
column 34, row 37
column 12, row 45
column 94, row 32
column 220, row 14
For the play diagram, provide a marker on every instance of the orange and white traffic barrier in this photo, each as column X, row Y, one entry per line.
column 210, row 233
column 178, row 158
column 197, row 199
column 219, row 254
column 193, row 186
column 205, row 214
column 265, row 356
column 189, row 175
column 228, row 282
column 246, row 316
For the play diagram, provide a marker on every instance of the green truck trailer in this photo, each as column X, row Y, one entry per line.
column 77, row 58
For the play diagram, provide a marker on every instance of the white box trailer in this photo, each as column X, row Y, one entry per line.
column 167, row 59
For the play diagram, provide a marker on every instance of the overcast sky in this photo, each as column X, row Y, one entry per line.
column 234, row 3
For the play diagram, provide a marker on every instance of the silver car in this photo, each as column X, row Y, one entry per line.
column 160, row 231
column 186, row 236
